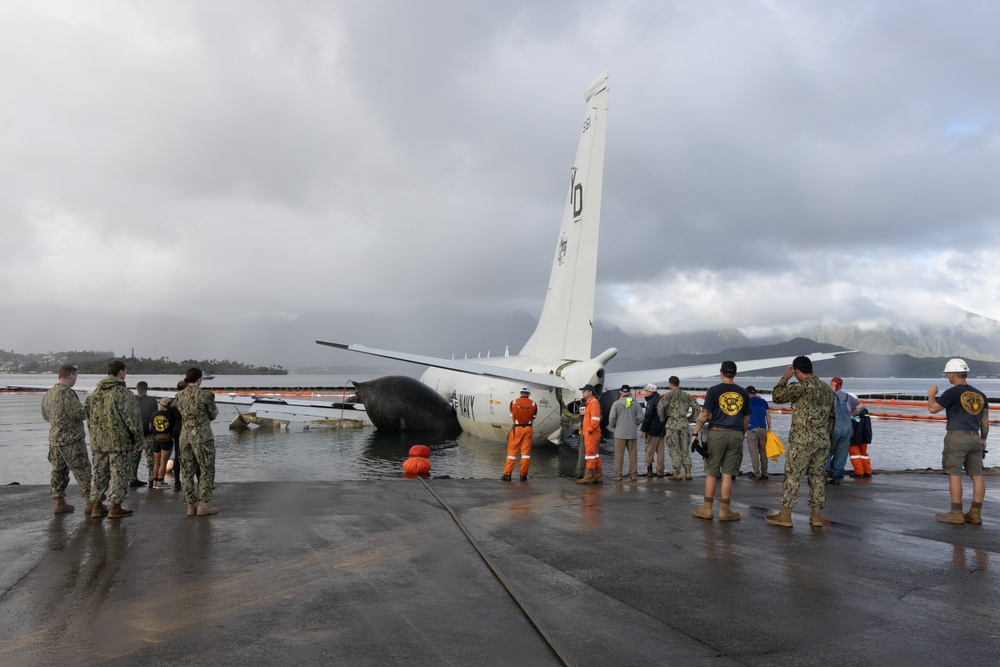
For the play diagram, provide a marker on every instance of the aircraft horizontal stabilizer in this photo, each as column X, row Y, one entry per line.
column 659, row 376
column 461, row 366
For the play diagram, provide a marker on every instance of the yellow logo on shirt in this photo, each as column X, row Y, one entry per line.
column 731, row 403
column 160, row 423
column 972, row 402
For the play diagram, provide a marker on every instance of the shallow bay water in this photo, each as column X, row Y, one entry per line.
column 317, row 453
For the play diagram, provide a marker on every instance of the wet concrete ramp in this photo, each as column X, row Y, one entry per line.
column 377, row 572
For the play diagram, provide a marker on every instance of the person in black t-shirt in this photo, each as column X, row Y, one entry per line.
column 965, row 443
column 727, row 413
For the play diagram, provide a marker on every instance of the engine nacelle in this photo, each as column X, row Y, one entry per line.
column 401, row 403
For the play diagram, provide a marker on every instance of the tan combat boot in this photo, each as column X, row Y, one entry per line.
column 88, row 506
column 98, row 510
column 815, row 520
column 705, row 511
column 62, row 507
column 205, row 510
column 117, row 511
column 782, row 517
column 192, row 509
column 974, row 516
column 687, row 473
column 676, row 476
column 726, row 514
column 599, row 474
column 954, row 516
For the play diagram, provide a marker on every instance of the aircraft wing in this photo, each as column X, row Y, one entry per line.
column 292, row 410
column 659, row 376
column 462, row 366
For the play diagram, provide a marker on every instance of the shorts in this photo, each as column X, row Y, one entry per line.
column 162, row 446
column 962, row 448
column 725, row 452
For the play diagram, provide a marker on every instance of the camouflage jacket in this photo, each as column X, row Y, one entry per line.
column 813, row 416
column 197, row 409
column 675, row 407
column 62, row 409
column 113, row 417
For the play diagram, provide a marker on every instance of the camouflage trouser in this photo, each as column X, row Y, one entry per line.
column 66, row 458
column 678, row 444
column 113, row 468
column 147, row 446
column 197, row 456
column 807, row 459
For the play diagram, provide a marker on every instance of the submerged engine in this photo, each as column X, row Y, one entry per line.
column 401, row 403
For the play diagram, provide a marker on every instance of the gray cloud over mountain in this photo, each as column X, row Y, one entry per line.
column 201, row 168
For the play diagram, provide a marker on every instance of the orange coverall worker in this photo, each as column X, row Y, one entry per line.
column 522, row 413
column 592, row 432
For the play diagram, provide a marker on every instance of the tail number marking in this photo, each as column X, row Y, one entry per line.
column 576, row 193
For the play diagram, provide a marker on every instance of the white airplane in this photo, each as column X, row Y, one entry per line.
column 555, row 362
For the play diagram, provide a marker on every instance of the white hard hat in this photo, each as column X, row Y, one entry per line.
column 956, row 366
column 650, row 387
column 525, row 390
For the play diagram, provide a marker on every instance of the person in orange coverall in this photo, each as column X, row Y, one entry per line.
column 590, row 434
column 860, row 439
column 522, row 413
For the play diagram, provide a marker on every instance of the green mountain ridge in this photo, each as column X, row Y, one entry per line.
column 96, row 362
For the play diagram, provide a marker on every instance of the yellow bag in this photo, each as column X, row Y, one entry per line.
column 773, row 448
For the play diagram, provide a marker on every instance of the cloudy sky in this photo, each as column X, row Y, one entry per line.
column 170, row 171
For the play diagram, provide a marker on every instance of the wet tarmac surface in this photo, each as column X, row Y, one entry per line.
column 377, row 572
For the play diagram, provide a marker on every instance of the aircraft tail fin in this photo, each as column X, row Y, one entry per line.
column 565, row 327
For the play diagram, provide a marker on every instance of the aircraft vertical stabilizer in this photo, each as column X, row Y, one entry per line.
column 565, row 327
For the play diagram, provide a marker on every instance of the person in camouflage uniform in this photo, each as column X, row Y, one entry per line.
column 676, row 410
column 115, row 435
column 197, row 444
column 813, row 418
column 67, row 440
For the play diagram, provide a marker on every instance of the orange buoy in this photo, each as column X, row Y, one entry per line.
column 423, row 451
column 418, row 465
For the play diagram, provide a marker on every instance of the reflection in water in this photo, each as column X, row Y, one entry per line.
column 520, row 509
column 591, row 505
column 385, row 446
column 960, row 558
column 719, row 542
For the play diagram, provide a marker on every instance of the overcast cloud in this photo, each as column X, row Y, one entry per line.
column 770, row 165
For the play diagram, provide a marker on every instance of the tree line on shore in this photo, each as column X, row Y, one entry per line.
column 96, row 362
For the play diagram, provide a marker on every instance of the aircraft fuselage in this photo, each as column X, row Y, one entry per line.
column 482, row 403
